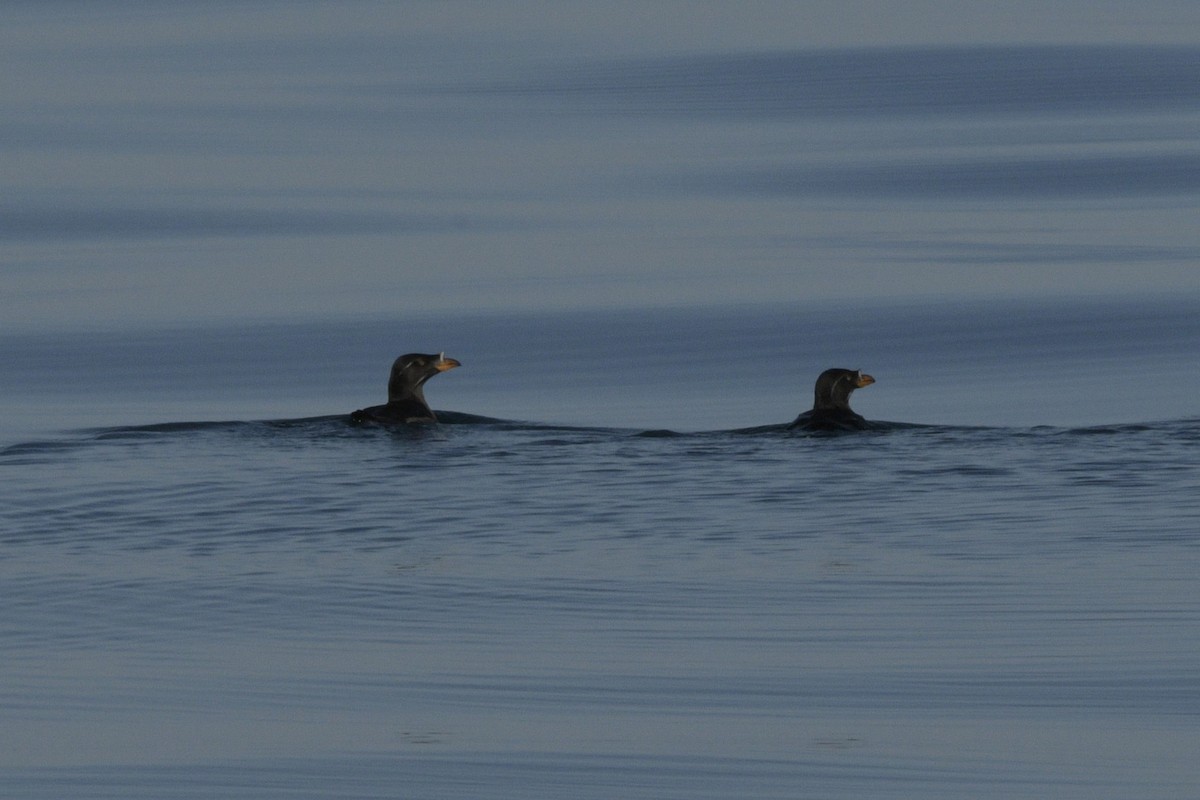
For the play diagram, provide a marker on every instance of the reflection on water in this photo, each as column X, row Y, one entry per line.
column 1050, row 363
column 207, row 171
column 221, row 224
column 883, row 82
column 232, row 603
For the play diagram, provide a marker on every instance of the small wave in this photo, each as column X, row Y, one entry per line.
column 462, row 418
column 156, row 429
column 659, row 433
column 963, row 470
column 340, row 425
column 1189, row 427
column 27, row 452
column 873, row 426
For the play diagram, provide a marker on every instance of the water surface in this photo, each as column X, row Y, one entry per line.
column 644, row 230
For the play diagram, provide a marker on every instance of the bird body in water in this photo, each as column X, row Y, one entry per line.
column 406, row 397
column 831, row 402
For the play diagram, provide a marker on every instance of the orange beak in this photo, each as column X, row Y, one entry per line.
column 444, row 363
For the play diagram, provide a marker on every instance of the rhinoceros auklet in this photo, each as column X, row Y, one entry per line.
column 406, row 399
column 831, row 402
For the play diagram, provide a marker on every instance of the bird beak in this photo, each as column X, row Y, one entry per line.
column 863, row 380
column 444, row 363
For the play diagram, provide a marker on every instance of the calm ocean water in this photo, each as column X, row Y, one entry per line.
column 601, row 576
column 293, row 606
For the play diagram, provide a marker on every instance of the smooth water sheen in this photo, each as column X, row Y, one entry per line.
column 644, row 229
column 303, row 607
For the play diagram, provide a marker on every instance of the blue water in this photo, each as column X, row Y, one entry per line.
column 608, row 572
column 296, row 606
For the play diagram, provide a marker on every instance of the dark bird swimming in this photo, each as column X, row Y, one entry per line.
column 831, row 402
column 406, row 397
